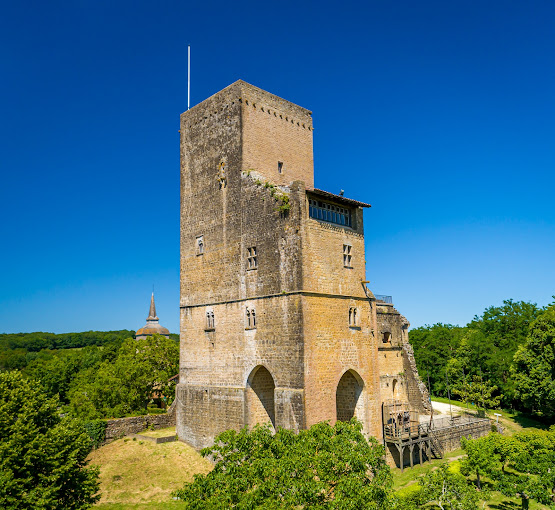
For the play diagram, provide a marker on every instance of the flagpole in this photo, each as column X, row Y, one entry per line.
column 188, row 76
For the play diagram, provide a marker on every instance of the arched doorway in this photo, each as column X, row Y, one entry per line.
column 348, row 401
column 260, row 397
column 394, row 388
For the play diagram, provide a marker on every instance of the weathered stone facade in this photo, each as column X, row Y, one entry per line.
column 277, row 324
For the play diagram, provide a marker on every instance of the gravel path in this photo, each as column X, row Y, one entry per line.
column 442, row 408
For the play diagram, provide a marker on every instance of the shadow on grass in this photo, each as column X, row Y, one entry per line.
column 505, row 505
column 525, row 421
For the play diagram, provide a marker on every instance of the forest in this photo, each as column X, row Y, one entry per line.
column 95, row 374
column 508, row 352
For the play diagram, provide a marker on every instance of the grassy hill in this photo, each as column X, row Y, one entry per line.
column 138, row 474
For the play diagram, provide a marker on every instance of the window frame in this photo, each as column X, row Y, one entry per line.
column 252, row 258
column 348, row 256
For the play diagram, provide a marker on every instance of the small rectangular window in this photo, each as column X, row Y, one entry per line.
column 353, row 317
column 252, row 258
column 347, row 257
column 280, row 167
column 210, row 324
column 200, row 245
column 250, row 318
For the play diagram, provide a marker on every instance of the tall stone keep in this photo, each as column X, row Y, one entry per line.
column 277, row 324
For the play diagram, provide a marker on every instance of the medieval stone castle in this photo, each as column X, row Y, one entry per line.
column 277, row 323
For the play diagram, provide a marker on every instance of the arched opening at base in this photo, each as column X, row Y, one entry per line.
column 260, row 397
column 348, row 401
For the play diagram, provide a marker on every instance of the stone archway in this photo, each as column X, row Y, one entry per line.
column 348, row 397
column 394, row 389
column 260, row 397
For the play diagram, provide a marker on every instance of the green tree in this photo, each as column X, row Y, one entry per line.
column 534, row 366
column 126, row 383
column 446, row 490
column 480, row 457
column 433, row 347
column 323, row 467
column 42, row 457
column 504, row 328
column 479, row 393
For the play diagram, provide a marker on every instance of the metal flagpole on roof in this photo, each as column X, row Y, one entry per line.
column 188, row 76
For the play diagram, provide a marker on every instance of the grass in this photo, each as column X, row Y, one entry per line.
column 135, row 473
column 410, row 476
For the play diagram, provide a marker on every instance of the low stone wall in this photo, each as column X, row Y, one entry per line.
column 450, row 437
column 120, row 427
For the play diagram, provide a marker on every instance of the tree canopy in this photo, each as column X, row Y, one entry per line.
column 42, row 457
column 534, row 366
column 323, row 467
column 514, row 338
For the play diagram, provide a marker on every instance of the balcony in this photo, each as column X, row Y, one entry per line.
column 384, row 299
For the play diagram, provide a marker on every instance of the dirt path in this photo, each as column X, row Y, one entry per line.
column 443, row 408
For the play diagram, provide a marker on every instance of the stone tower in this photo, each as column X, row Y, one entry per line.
column 277, row 324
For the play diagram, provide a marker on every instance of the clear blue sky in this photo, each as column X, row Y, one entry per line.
column 441, row 114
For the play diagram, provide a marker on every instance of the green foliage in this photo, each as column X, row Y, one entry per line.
column 529, row 454
column 479, row 393
column 42, row 457
column 125, row 384
column 323, row 467
column 534, row 366
column 452, row 355
column 96, row 429
column 445, row 489
column 481, row 457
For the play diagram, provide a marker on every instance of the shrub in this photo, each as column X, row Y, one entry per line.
column 96, row 429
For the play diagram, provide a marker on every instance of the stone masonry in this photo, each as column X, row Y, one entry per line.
column 277, row 324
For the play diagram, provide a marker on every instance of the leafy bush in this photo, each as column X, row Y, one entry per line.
column 96, row 429
column 323, row 467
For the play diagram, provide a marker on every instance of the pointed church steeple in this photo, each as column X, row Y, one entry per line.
column 152, row 311
column 152, row 324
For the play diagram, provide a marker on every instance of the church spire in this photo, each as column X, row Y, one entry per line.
column 152, row 311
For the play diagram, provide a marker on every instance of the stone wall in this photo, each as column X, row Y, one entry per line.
column 450, row 437
column 120, row 427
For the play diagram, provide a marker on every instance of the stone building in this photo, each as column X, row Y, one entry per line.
column 153, row 325
column 277, row 323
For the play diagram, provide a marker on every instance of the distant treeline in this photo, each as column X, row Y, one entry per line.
column 509, row 346
column 18, row 349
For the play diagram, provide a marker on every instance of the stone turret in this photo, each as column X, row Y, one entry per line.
column 152, row 325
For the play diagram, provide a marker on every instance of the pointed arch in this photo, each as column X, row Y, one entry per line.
column 394, row 388
column 348, row 397
column 260, row 403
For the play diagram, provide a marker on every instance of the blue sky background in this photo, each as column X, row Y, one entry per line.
column 440, row 114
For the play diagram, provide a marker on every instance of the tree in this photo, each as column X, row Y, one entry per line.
column 480, row 457
column 534, row 366
column 447, row 490
column 126, row 383
column 479, row 393
column 42, row 457
column 323, row 467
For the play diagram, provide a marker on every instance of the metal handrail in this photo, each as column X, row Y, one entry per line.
column 384, row 299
